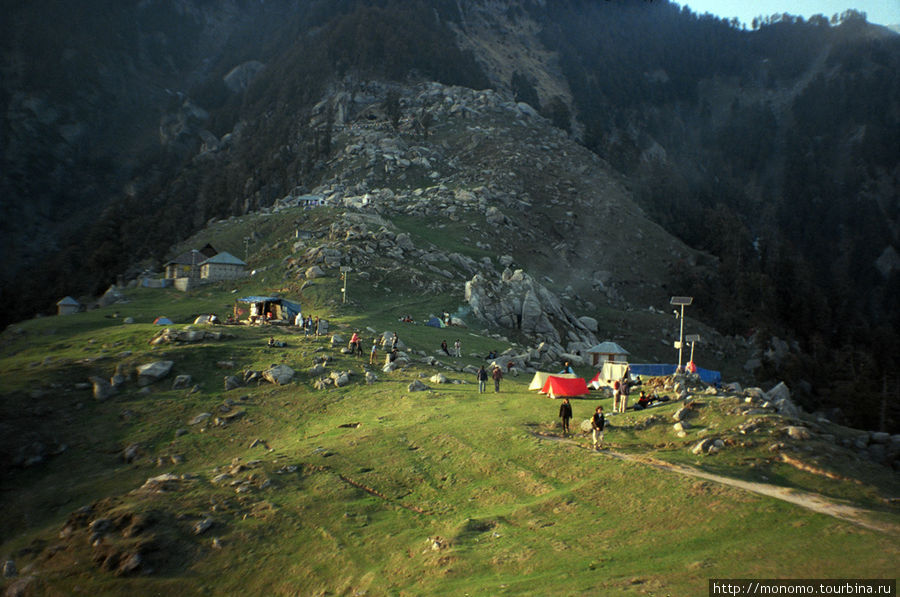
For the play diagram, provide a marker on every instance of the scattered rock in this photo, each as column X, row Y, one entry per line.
column 797, row 432
column 417, row 386
column 438, row 378
column 203, row 526
column 703, row 446
column 199, row 418
column 131, row 453
column 181, row 382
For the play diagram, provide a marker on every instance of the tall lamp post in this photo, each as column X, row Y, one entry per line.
column 682, row 301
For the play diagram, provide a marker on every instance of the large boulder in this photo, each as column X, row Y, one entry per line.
column 417, row 386
column 152, row 372
column 279, row 374
column 102, row 388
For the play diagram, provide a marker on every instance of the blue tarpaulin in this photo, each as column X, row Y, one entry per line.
column 656, row 370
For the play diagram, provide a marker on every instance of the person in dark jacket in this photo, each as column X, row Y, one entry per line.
column 482, row 377
column 565, row 413
column 598, row 422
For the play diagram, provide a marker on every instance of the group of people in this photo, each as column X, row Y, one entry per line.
column 482, row 377
column 308, row 324
column 457, row 348
column 598, row 422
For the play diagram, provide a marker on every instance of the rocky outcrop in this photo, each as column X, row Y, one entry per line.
column 517, row 301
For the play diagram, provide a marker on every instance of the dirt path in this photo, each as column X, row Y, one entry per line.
column 811, row 501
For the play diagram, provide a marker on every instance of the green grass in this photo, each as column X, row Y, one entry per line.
column 443, row 492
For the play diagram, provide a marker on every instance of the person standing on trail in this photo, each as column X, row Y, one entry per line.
column 617, row 392
column 565, row 413
column 444, row 347
column 457, row 347
column 373, row 354
column 482, row 377
column 317, row 327
column 497, row 374
column 598, row 422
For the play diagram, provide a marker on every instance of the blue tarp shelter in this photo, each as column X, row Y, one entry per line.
column 434, row 322
column 279, row 308
column 655, row 370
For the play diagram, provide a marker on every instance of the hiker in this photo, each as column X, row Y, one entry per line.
column 598, row 422
column 616, row 395
column 317, row 327
column 355, row 348
column 509, row 366
column 444, row 347
column 565, row 413
column 497, row 374
column 623, row 395
column 373, row 354
column 457, row 347
column 568, row 369
column 298, row 320
column 481, row 376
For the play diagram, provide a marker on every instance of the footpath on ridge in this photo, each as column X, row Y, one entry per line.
column 811, row 501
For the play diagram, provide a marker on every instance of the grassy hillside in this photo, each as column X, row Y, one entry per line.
column 372, row 489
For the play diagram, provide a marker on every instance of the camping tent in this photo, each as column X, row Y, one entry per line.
column 558, row 387
column 434, row 322
column 281, row 309
column 540, row 378
column 610, row 372
column 162, row 321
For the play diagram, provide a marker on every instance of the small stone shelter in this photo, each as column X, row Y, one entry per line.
column 67, row 306
column 222, row 266
column 607, row 352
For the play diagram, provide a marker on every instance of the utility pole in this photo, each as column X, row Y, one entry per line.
column 345, row 275
column 682, row 301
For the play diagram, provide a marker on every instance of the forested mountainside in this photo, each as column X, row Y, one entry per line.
column 775, row 150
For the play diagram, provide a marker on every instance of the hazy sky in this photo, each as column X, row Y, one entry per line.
column 882, row 12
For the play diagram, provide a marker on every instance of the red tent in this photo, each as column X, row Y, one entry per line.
column 560, row 386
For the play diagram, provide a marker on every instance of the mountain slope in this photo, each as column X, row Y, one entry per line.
column 721, row 135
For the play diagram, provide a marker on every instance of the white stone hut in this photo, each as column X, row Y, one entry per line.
column 67, row 306
column 607, row 352
column 222, row 266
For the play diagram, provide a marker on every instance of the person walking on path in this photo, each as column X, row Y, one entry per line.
column 565, row 413
column 497, row 375
column 598, row 422
column 482, row 377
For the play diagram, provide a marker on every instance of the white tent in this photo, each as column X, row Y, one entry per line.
column 540, row 378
